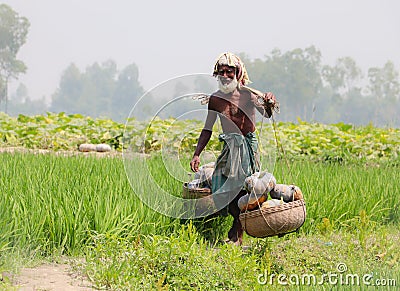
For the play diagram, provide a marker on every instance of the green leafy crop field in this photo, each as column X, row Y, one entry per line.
column 311, row 140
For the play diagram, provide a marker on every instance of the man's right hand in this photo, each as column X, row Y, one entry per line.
column 270, row 99
column 194, row 163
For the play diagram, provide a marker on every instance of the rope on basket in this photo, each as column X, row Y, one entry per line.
column 284, row 156
column 280, row 150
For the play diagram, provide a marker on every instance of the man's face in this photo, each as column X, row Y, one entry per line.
column 227, row 72
column 227, row 82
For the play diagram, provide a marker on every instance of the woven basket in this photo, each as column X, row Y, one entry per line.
column 277, row 220
column 203, row 206
column 195, row 193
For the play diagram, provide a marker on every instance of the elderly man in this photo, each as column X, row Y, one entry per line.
column 235, row 105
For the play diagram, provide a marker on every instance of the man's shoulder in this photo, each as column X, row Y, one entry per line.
column 246, row 92
column 238, row 91
column 217, row 95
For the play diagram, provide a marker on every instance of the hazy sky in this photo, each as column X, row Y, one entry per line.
column 170, row 38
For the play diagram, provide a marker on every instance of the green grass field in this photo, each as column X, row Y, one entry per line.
column 84, row 207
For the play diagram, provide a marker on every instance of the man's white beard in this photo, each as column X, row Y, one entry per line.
column 227, row 87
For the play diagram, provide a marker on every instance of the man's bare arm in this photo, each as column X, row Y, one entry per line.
column 204, row 138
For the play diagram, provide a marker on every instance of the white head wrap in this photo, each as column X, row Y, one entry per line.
column 229, row 59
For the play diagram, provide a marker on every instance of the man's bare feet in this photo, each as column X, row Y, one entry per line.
column 235, row 234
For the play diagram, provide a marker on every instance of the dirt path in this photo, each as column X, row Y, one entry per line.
column 50, row 277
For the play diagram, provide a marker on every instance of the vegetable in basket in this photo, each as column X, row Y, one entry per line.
column 287, row 192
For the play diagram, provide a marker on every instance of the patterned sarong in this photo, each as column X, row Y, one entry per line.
column 236, row 162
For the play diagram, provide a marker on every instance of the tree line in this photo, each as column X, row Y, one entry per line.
column 340, row 93
column 305, row 87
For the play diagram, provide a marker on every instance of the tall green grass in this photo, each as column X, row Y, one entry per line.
column 53, row 202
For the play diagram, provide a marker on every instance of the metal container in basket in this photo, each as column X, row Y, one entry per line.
column 277, row 220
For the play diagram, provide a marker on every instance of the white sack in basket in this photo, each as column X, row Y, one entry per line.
column 260, row 183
